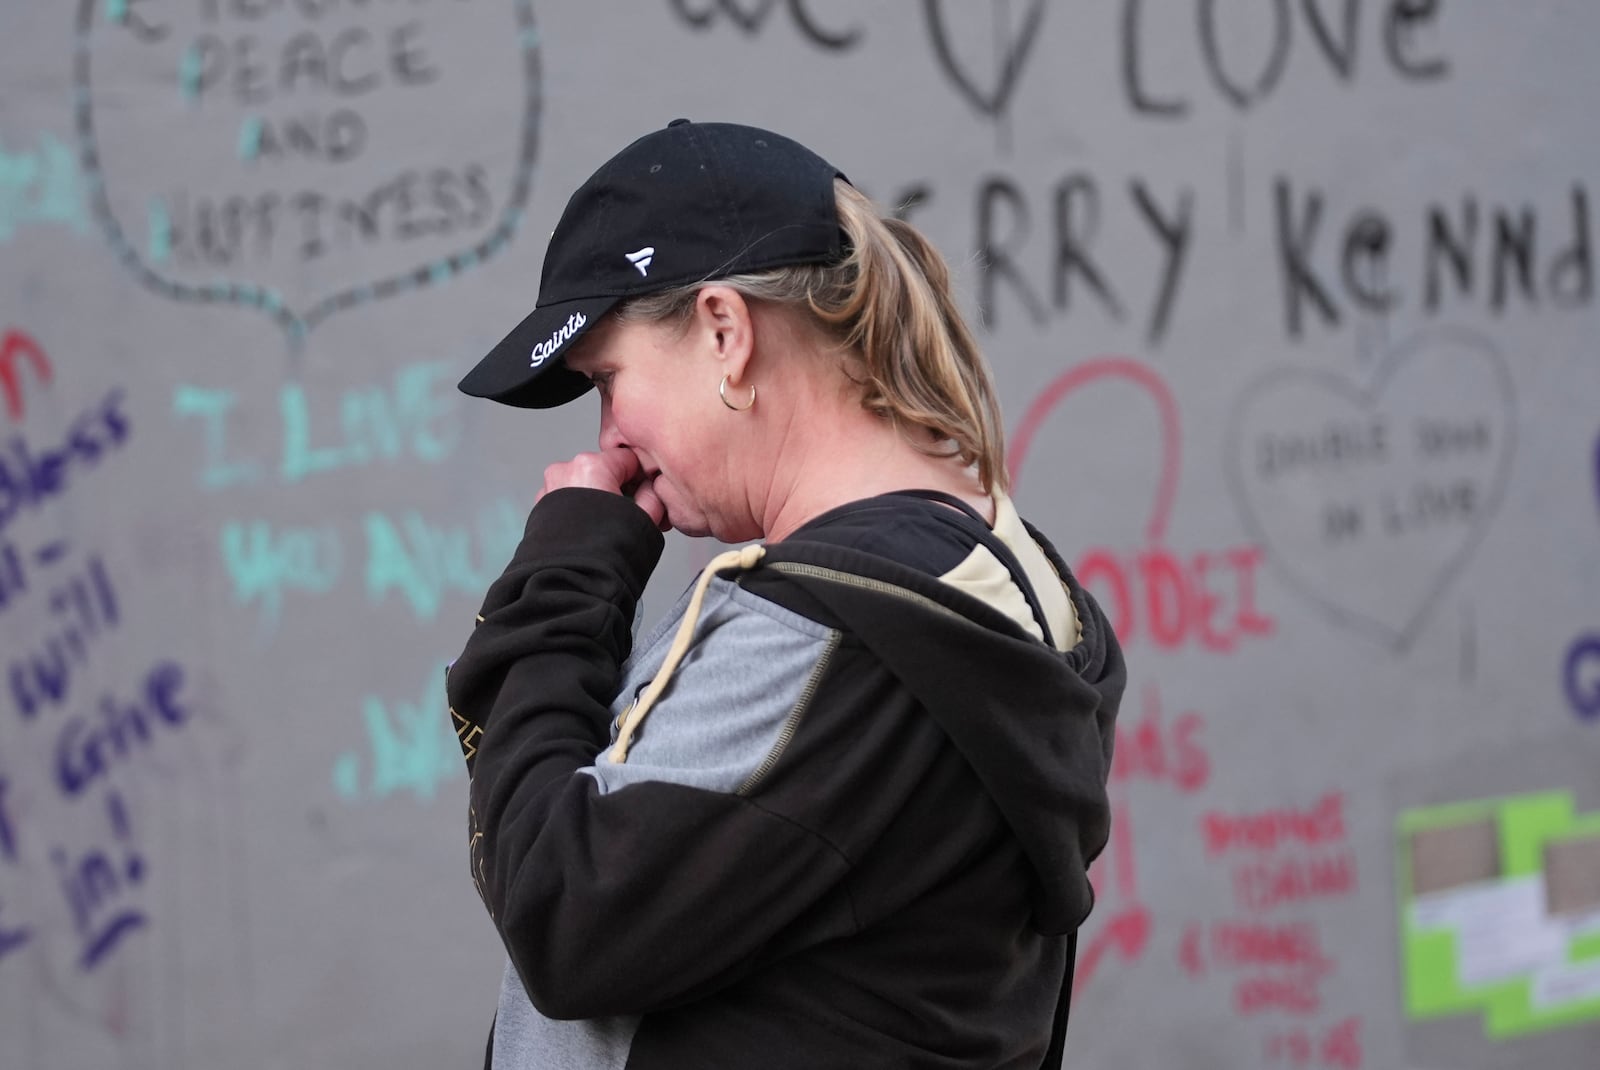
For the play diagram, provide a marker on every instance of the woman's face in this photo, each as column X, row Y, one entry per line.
column 658, row 398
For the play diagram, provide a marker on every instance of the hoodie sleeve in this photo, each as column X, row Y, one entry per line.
column 610, row 898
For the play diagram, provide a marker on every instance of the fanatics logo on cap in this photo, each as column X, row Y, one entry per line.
column 545, row 350
column 640, row 258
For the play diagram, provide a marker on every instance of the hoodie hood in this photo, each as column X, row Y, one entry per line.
column 1036, row 725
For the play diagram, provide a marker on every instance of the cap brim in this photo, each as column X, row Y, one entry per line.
column 527, row 369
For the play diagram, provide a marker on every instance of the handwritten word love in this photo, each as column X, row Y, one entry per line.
column 407, row 419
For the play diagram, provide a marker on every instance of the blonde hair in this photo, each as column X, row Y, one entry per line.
column 889, row 308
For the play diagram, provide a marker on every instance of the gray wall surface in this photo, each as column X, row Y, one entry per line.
column 1292, row 309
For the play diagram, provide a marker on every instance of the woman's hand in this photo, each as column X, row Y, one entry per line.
column 615, row 469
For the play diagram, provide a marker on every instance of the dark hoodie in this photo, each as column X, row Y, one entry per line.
column 853, row 813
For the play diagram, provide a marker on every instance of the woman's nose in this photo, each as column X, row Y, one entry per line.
column 610, row 436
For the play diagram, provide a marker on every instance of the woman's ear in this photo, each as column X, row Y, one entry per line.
column 723, row 319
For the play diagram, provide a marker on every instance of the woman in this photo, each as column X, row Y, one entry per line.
column 837, row 810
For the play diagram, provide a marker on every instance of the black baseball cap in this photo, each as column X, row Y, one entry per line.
column 690, row 203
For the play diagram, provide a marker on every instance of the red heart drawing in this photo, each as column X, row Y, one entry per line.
column 1092, row 373
column 1370, row 500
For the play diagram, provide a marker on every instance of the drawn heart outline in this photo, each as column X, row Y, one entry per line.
column 1399, row 637
column 1018, row 47
column 295, row 324
column 1086, row 375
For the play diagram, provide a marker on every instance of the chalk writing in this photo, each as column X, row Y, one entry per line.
column 30, row 477
column 1009, row 46
column 1154, row 594
column 1324, row 870
column 12, row 937
column 409, row 747
column 1120, row 250
column 1004, row 226
column 1283, row 856
column 284, row 100
column 1144, row 750
column 1151, row 750
column 88, row 747
column 83, row 610
column 411, row 418
column 95, row 885
column 1264, row 885
column 264, row 564
column 1244, row 80
column 702, row 15
column 421, row 562
column 19, row 353
column 1405, row 478
column 404, row 555
column 1284, row 963
column 81, row 736
column 1453, row 251
column 1335, row 1047
column 41, row 186
column 1321, row 824
column 1581, row 677
column 1580, row 669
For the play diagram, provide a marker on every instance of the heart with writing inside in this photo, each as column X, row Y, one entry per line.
column 304, row 159
column 1371, row 497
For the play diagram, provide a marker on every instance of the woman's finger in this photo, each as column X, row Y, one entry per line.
column 646, row 498
column 608, row 470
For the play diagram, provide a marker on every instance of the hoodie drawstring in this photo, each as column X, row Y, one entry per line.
column 745, row 559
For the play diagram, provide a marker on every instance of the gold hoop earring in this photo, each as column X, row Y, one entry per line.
column 722, row 392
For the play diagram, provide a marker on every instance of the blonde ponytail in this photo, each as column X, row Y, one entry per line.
column 889, row 306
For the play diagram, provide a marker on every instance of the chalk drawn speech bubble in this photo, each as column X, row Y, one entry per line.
column 1371, row 499
column 287, row 156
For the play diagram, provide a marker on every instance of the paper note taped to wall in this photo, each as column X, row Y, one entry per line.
column 1500, row 912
